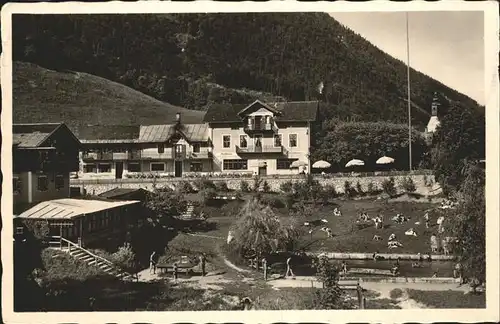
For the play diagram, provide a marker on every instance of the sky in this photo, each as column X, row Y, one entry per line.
column 448, row 46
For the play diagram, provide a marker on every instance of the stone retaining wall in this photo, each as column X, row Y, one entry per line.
column 386, row 256
column 425, row 184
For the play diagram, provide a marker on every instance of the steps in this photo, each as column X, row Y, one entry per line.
column 188, row 214
column 89, row 258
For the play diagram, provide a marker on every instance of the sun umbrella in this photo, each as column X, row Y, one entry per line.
column 354, row 162
column 385, row 160
column 297, row 164
column 321, row 165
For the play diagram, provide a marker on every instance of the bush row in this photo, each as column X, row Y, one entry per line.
column 309, row 187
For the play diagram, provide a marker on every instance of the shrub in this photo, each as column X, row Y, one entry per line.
column 359, row 189
column 396, row 293
column 185, row 187
column 205, row 184
column 272, row 202
column 300, row 189
column 238, row 195
column 289, row 200
column 208, row 195
column 244, row 186
column 330, row 191
column 389, row 187
column 349, row 191
column 407, row 184
column 286, row 187
column 221, row 186
column 257, row 182
column 266, row 187
column 371, row 189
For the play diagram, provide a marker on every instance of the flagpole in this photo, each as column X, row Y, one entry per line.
column 408, row 88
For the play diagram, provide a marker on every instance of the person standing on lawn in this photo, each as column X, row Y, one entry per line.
column 203, row 264
column 289, row 268
column 175, row 271
column 152, row 263
column 457, row 273
column 264, row 268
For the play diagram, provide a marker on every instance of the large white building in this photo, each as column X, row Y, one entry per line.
column 259, row 138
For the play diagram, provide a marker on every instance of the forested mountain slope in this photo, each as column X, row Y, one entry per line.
column 192, row 60
column 81, row 99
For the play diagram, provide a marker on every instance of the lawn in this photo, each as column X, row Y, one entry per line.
column 347, row 238
column 448, row 299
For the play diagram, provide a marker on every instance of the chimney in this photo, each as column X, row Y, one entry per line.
column 178, row 118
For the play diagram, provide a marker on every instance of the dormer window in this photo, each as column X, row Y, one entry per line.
column 268, row 119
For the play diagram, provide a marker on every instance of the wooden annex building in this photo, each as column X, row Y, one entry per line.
column 84, row 221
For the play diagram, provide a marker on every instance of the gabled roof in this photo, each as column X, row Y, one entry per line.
column 257, row 103
column 105, row 133
column 122, row 192
column 69, row 208
column 34, row 135
column 300, row 111
column 162, row 133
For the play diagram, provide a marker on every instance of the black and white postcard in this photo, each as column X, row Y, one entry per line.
column 187, row 162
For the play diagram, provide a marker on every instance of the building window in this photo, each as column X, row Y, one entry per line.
column 284, row 164
column 43, row 183
column 196, row 148
column 161, row 148
column 158, row 167
column 235, row 164
column 19, row 230
column 105, row 168
column 226, row 141
column 89, row 168
column 277, row 140
column 292, row 138
column 196, row 167
column 243, row 141
column 134, row 167
column 16, row 184
column 59, row 182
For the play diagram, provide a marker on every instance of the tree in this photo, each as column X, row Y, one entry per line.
column 459, row 139
column 125, row 259
column 258, row 230
column 163, row 204
column 468, row 224
column 330, row 296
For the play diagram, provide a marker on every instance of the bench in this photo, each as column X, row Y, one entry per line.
column 348, row 284
column 169, row 268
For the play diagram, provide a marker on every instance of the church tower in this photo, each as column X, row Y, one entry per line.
column 434, row 120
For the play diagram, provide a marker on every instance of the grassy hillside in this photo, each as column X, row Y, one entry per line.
column 80, row 99
column 177, row 58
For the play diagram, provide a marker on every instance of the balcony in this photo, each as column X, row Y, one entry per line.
column 259, row 149
column 261, row 128
column 200, row 155
column 121, row 155
column 86, row 156
column 167, row 155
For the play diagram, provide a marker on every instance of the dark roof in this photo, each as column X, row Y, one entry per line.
column 33, row 135
column 257, row 104
column 120, row 192
column 290, row 111
column 106, row 132
column 162, row 133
